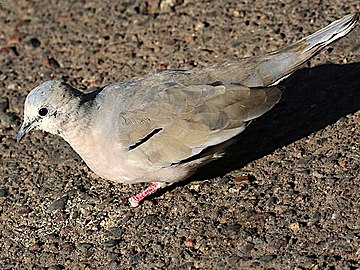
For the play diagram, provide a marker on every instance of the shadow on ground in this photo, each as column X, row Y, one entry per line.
column 313, row 98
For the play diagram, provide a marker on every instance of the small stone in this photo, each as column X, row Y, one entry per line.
column 161, row 66
column 4, row 4
column 234, row 228
column 84, row 247
column 221, row 265
column 280, row 208
column 245, row 178
column 276, row 244
column 5, row 50
column 150, row 219
column 111, row 243
column 199, row 26
column 8, row 118
column 195, row 187
column 3, row 193
column 24, row 211
column 12, row 86
column 234, row 190
column 113, row 264
column 33, row 43
column 241, row 179
column 345, row 247
column 318, row 174
column 7, row 153
column 58, row 204
column 113, row 255
column 166, row 5
column 115, row 232
column 188, row 243
column 267, row 258
column 294, row 226
column 67, row 247
column 189, row 38
column 51, row 62
column 138, row 257
column 271, row 201
column 233, row 260
column 148, row 202
column 14, row 39
column 304, row 161
column 248, row 247
column 4, row 104
column 56, row 267
column 224, row 180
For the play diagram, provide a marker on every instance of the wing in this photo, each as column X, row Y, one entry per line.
column 169, row 122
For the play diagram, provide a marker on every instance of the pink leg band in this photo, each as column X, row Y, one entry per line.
column 136, row 200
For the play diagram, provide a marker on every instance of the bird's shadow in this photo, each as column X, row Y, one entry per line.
column 312, row 99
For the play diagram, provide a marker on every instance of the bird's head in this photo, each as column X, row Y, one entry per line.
column 47, row 107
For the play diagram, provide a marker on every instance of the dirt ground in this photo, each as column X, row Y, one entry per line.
column 297, row 208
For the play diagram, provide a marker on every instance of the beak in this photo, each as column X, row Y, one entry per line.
column 25, row 128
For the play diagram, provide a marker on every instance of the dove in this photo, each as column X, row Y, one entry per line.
column 163, row 126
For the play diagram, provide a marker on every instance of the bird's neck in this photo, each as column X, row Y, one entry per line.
column 76, row 122
column 74, row 125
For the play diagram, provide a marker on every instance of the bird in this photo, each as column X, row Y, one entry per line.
column 160, row 128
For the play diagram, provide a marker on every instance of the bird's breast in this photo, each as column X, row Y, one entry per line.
column 106, row 158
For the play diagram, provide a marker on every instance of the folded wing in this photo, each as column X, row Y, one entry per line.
column 172, row 122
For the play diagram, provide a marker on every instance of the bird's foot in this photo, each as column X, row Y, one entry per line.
column 137, row 199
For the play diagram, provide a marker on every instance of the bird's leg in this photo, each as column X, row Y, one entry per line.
column 137, row 199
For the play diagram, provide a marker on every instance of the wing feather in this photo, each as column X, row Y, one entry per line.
column 191, row 118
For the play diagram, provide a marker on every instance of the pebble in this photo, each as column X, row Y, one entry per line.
column 4, row 104
column 12, row 86
column 3, row 193
column 111, row 243
column 33, row 43
column 51, row 62
column 7, row 119
column 295, row 227
column 166, row 5
column 267, row 258
column 248, row 247
column 199, row 26
column 58, row 204
column 84, row 247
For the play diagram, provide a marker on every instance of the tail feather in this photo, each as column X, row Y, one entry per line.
column 285, row 61
column 330, row 33
column 269, row 69
column 277, row 65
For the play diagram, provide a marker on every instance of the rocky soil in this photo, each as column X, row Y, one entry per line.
column 287, row 195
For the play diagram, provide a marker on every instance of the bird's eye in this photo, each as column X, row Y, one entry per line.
column 43, row 111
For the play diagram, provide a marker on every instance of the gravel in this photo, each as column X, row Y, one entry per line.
column 285, row 197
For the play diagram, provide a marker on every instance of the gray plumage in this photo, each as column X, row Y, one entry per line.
column 162, row 126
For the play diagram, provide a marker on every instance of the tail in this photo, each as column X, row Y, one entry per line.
column 269, row 69
column 276, row 66
column 329, row 34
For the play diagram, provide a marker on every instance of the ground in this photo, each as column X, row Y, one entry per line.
column 285, row 197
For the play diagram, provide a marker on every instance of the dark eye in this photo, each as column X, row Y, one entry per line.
column 43, row 111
